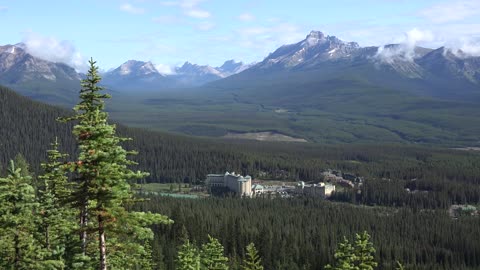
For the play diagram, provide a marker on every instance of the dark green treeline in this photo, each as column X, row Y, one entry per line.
column 304, row 233
column 446, row 176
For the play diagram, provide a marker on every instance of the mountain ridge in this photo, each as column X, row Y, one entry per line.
column 37, row 78
column 138, row 75
column 434, row 67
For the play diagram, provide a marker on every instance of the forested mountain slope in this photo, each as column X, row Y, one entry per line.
column 435, row 178
column 29, row 127
column 320, row 89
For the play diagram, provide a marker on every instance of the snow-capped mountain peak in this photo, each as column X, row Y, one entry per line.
column 315, row 48
column 11, row 49
column 313, row 39
column 24, row 67
column 136, row 67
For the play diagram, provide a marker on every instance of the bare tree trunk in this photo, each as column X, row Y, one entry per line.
column 84, row 220
column 101, row 243
column 16, row 241
column 83, row 228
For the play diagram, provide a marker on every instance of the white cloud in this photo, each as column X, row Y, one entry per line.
column 246, row 17
column 452, row 11
column 470, row 48
column 415, row 36
column 188, row 4
column 205, row 26
column 466, row 46
column 54, row 50
column 406, row 47
column 189, row 8
column 165, row 69
column 197, row 13
column 131, row 9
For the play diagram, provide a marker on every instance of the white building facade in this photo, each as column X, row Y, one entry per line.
column 321, row 189
column 241, row 185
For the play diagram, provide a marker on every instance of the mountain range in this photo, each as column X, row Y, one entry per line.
column 139, row 75
column 321, row 89
column 430, row 72
column 32, row 76
column 422, row 69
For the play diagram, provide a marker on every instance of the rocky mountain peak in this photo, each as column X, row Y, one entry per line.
column 148, row 67
column 314, row 49
column 13, row 49
column 134, row 67
column 313, row 38
column 186, row 67
column 231, row 67
column 315, row 35
column 194, row 69
column 18, row 65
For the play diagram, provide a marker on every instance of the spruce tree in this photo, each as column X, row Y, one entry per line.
column 22, row 164
column 56, row 214
column 103, row 192
column 364, row 252
column 211, row 255
column 359, row 256
column 252, row 260
column 18, row 247
column 188, row 257
column 344, row 257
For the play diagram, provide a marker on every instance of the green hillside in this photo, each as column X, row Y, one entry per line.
column 29, row 127
column 323, row 106
column 61, row 91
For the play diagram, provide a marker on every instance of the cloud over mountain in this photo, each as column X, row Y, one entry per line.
column 405, row 50
column 54, row 50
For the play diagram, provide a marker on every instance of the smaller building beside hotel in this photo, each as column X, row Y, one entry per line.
column 315, row 190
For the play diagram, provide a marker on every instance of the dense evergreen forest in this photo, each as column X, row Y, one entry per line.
column 449, row 176
column 302, row 233
column 402, row 203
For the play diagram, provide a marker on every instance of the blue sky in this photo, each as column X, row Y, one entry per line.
column 170, row 32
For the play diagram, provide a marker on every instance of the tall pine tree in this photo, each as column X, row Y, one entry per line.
column 103, row 192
